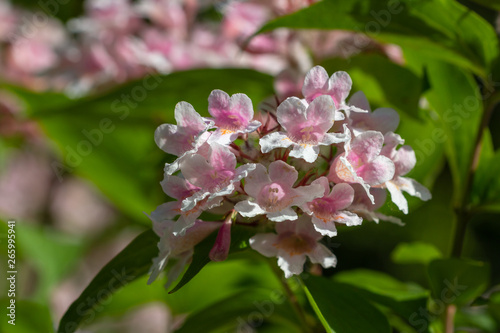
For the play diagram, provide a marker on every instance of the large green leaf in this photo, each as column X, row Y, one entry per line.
column 109, row 138
column 403, row 298
column 458, row 281
column 342, row 308
column 130, row 264
column 460, row 36
column 458, row 103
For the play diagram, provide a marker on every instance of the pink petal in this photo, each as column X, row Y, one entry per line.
column 323, row 256
column 340, row 86
column 384, row 120
column 218, row 103
column 178, row 188
column 404, row 160
column 323, row 181
column 342, row 195
column 221, row 158
column 359, row 100
column 377, row 172
column 321, row 114
column 367, row 145
column 256, row 180
column 315, row 83
column 187, row 117
column 291, row 113
column 283, row 173
column 264, row 244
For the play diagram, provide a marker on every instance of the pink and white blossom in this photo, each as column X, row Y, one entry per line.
column 306, row 128
column 272, row 192
column 294, row 241
column 180, row 189
column 232, row 115
column 215, row 175
column 331, row 208
column 362, row 163
column 317, row 83
column 185, row 137
column 404, row 160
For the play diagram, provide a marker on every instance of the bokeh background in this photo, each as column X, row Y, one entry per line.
column 84, row 84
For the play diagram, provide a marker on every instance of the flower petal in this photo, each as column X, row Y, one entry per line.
column 315, row 83
column 367, row 145
column 283, row 173
column 307, row 152
column 248, row 208
column 323, row 256
column 291, row 265
column 264, row 244
column 287, row 214
column 274, row 140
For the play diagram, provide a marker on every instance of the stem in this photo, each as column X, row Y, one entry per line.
column 449, row 325
column 463, row 211
column 299, row 311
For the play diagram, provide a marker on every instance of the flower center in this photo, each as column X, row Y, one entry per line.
column 294, row 244
column 272, row 197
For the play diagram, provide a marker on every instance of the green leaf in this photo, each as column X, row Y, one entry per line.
column 109, row 138
column 29, row 317
column 456, row 98
column 458, row 281
column 250, row 308
column 239, row 242
column 444, row 30
column 342, row 308
column 403, row 298
column 384, row 82
column 130, row 264
column 415, row 253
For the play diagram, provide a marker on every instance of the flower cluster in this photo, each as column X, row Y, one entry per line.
column 118, row 40
column 302, row 170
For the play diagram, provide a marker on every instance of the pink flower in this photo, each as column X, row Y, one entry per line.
column 362, row 163
column 382, row 119
column 215, row 175
column 317, row 83
column 404, row 160
column 180, row 189
column 185, row 138
column 330, row 209
column 273, row 193
column 232, row 115
column 306, row 128
column 295, row 241
column 177, row 247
